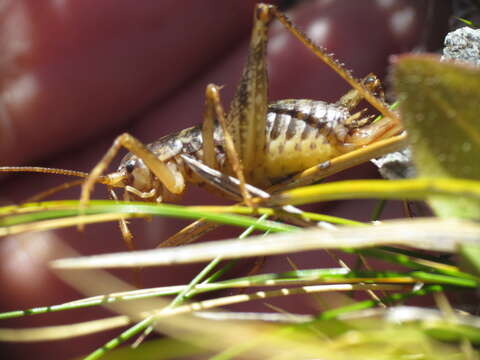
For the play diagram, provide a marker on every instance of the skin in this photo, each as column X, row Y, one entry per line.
column 86, row 71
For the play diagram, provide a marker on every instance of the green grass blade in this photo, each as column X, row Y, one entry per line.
column 412, row 189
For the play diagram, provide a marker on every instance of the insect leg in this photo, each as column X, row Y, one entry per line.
column 214, row 110
column 246, row 120
column 352, row 98
column 123, row 226
column 189, row 233
column 337, row 67
column 128, row 239
column 208, row 129
column 172, row 182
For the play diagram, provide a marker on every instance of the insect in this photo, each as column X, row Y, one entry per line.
column 259, row 144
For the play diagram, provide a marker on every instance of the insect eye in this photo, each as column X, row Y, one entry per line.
column 130, row 166
column 370, row 80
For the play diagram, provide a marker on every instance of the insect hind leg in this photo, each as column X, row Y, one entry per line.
column 336, row 66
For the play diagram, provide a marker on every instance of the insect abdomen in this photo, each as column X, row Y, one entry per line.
column 301, row 134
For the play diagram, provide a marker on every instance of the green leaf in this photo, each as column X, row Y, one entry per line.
column 440, row 109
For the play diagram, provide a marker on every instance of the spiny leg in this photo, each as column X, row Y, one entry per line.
column 390, row 124
column 214, row 110
column 246, row 120
column 386, row 127
column 336, row 66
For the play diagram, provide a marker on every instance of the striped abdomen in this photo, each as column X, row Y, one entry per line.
column 301, row 134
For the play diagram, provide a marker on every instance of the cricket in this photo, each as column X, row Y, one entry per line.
column 275, row 146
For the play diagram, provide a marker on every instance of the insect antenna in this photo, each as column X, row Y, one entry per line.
column 44, row 170
column 106, row 180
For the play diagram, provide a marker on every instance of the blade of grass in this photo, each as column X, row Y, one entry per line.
column 410, row 189
column 366, row 304
column 297, row 277
column 59, row 332
column 56, row 214
column 428, row 234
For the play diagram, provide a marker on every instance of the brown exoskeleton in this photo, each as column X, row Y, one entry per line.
column 258, row 143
